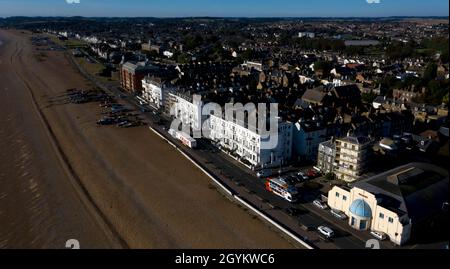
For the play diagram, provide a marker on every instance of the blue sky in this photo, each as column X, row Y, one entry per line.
column 225, row 8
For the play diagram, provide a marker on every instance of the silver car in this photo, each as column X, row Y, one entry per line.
column 326, row 231
column 379, row 235
column 338, row 214
column 320, row 204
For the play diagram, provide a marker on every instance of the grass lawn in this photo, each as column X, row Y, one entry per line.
column 96, row 68
column 71, row 43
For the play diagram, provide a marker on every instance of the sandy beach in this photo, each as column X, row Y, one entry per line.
column 62, row 177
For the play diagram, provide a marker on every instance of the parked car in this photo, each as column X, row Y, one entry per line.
column 106, row 121
column 326, row 231
column 264, row 173
column 293, row 179
column 379, row 235
column 320, row 204
column 116, row 109
column 290, row 180
column 338, row 214
column 302, row 176
column 122, row 123
column 312, row 173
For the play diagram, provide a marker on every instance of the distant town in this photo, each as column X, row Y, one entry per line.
column 362, row 128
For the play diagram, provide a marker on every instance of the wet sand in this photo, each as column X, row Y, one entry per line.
column 63, row 177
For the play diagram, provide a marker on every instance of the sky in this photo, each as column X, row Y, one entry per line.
column 224, row 8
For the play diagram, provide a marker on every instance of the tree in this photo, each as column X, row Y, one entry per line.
column 329, row 176
column 324, row 66
column 368, row 97
column 183, row 58
column 399, row 50
column 430, row 72
column 445, row 99
column 193, row 42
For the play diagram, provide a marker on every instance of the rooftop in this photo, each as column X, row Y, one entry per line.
column 416, row 189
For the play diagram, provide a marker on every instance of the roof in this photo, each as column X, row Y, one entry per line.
column 310, row 126
column 361, row 209
column 359, row 140
column 444, row 131
column 301, row 104
column 348, row 92
column 133, row 67
column 416, row 189
column 329, row 144
column 387, row 142
column 314, row 96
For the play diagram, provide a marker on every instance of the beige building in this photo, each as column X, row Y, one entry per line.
column 352, row 157
column 400, row 203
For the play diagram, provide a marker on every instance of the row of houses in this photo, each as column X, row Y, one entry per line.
column 250, row 145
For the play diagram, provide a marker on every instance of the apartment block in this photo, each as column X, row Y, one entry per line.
column 353, row 155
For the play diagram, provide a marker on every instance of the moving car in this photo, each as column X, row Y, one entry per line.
column 326, row 231
column 320, row 204
column 379, row 235
column 338, row 214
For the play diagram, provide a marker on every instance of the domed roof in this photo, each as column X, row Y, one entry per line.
column 361, row 209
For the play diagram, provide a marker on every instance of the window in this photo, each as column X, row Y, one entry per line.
column 344, row 198
column 381, row 216
column 391, row 220
column 362, row 224
column 337, row 194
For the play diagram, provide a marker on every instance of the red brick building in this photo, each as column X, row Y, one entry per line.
column 132, row 74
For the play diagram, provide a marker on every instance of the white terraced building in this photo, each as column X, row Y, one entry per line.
column 188, row 109
column 248, row 145
column 154, row 91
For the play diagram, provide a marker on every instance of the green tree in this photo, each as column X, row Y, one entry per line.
column 324, row 66
column 368, row 97
column 430, row 72
column 183, row 58
column 330, row 176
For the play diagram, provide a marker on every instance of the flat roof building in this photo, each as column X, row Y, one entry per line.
column 401, row 203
